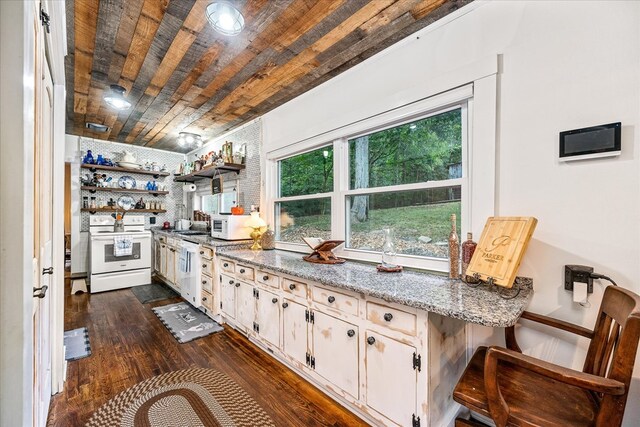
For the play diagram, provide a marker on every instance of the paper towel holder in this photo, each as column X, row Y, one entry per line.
column 578, row 273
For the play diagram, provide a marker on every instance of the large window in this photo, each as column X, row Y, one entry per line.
column 407, row 175
column 303, row 208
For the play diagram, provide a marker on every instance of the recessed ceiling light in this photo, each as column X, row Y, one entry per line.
column 96, row 127
column 225, row 18
column 116, row 98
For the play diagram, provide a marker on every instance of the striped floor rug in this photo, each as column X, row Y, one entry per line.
column 189, row 398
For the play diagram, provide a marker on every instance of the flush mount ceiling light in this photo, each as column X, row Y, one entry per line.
column 116, row 98
column 96, row 127
column 187, row 138
column 225, row 18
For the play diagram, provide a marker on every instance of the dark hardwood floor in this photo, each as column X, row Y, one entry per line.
column 129, row 344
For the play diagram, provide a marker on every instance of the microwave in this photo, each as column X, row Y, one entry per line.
column 230, row 227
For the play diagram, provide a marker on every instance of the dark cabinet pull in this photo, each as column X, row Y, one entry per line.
column 47, row 270
column 204, row 298
column 275, row 300
column 285, row 304
column 265, row 278
column 292, row 286
column 204, row 282
column 351, row 333
column 237, row 284
column 371, row 340
column 331, row 299
column 225, row 264
column 42, row 292
column 231, row 282
column 163, row 246
column 204, row 265
column 201, row 252
column 242, row 271
column 388, row 317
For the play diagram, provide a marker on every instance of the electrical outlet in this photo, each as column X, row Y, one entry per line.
column 578, row 273
column 152, row 220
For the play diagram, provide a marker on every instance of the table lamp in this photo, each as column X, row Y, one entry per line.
column 256, row 223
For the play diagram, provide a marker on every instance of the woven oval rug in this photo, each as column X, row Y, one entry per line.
column 187, row 398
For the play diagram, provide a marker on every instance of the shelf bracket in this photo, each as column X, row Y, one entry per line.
column 92, row 212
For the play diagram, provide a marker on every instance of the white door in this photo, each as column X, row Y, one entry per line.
column 268, row 317
column 333, row 337
column 294, row 330
column 391, row 380
column 228, row 296
column 245, row 305
column 43, row 224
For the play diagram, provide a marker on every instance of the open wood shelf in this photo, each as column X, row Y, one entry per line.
column 210, row 172
column 122, row 190
column 93, row 168
column 113, row 210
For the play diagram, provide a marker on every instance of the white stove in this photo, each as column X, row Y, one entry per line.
column 111, row 269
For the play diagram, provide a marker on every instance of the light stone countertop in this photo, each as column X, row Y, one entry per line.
column 205, row 240
column 427, row 291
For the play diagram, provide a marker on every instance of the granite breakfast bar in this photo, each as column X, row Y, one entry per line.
column 388, row 346
column 424, row 290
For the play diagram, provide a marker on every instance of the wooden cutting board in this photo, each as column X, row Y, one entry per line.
column 501, row 248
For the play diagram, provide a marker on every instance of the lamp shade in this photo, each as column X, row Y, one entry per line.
column 255, row 221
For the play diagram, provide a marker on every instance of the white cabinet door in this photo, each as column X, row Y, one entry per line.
column 268, row 317
column 335, row 349
column 294, row 331
column 228, row 296
column 245, row 305
column 163, row 259
column 171, row 265
column 391, row 380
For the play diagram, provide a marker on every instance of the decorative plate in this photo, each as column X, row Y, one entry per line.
column 127, row 182
column 126, row 202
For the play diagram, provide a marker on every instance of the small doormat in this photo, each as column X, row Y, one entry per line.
column 190, row 397
column 153, row 292
column 185, row 322
column 76, row 344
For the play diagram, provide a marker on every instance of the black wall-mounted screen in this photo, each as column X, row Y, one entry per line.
column 593, row 140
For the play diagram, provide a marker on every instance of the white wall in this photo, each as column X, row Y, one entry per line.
column 564, row 65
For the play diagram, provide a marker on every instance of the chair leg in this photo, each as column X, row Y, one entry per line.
column 462, row 422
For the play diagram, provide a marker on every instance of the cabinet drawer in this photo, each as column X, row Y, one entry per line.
column 228, row 266
column 207, row 300
column 296, row 288
column 267, row 278
column 334, row 299
column 244, row 272
column 207, row 284
column 207, row 267
column 206, row 252
column 391, row 318
column 172, row 242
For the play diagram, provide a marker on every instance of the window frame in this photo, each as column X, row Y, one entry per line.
column 459, row 98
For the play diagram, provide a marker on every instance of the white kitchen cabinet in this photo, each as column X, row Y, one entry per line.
column 335, row 351
column 228, row 295
column 391, row 370
column 268, row 316
column 163, row 259
column 294, row 330
column 171, row 266
column 245, row 305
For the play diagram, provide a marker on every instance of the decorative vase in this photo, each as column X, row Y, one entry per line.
column 268, row 241
column 388, row 250
column 88, row 159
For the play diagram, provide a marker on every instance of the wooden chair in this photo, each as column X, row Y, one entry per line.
column 518, row 390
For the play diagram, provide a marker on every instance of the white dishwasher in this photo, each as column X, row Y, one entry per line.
column 188, row 265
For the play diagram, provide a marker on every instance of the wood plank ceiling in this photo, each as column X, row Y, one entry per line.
column 180, row 75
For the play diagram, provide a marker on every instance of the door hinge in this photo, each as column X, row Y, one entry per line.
column 417, row 361
column 415, row 421
column 257, row 294
column 46, row 21
column 313, row 362
column 308, row 358
column 306, row 316
column 312, row 317
column 256, row 327
column 220, row 305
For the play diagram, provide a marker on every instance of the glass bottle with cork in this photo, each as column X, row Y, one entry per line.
column 454, row 250
column 468, row 248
